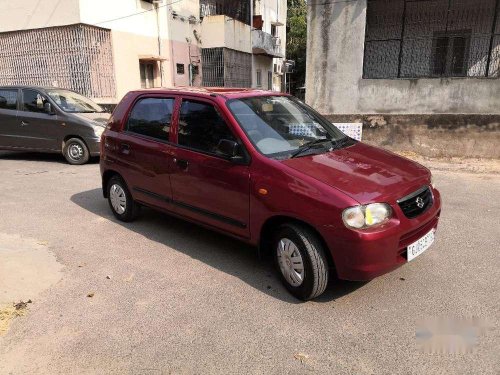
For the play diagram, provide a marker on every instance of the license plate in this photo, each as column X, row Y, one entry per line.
column 419, row 246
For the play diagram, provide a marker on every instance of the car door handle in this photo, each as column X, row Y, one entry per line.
column 183, row 164
column 24, row 123
column 125, row 148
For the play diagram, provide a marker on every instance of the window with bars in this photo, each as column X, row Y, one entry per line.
column 432, row 38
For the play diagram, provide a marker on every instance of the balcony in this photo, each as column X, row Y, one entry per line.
column 265, row 44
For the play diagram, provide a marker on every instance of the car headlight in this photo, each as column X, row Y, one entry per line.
column 98, row 130
column 359, row 217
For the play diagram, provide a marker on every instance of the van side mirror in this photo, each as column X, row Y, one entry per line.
column 47, row 108
column 230, row 150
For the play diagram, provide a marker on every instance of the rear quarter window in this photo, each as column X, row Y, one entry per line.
column 8, row 99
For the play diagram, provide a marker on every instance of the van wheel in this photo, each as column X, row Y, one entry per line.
column 301, row 261
column 120, row 200
column 76, row 151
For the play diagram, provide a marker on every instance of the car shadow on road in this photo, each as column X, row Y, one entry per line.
column 217, row 250
column 38, row 157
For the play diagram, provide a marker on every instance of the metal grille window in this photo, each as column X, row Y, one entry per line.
column 432, row 38
column 226, row 67
column 77, row 57
column 236, row 9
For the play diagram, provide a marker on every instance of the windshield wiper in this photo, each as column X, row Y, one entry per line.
column 307, row 146
column 341, row 142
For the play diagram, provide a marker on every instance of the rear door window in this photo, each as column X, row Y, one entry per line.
column 201, row 127
column 33, row 101
column 152, row 117
column 8, row 99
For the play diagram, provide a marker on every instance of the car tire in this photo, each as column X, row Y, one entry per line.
column 76, row 151
column 301, row 261
column 120, row 200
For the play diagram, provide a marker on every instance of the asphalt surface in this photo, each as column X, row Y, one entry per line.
column 170, row 297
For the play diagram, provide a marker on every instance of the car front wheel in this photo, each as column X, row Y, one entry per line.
column 120, row 200
column 301, row 261
column 76, row 151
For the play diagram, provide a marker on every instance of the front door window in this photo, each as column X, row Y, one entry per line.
column 201, row 127
column 33, row 101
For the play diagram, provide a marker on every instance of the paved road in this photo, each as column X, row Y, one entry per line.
column 181, row 299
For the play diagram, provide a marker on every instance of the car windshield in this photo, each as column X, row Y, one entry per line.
column 72, row 102
column 281, row 127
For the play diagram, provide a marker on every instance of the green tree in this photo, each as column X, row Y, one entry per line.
column 296, row 41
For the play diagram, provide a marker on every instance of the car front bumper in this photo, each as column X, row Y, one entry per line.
column 94, row 145
column 364, row 255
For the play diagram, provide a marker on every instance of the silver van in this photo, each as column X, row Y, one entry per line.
column 49, row 119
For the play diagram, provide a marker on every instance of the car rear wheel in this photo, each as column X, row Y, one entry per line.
column 120, row 200
column 76, row 151
column 301, row 261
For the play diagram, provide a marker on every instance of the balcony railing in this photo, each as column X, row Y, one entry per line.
column 265, row 44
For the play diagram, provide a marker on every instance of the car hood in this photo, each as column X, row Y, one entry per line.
column 96, row 118
column 365, row 173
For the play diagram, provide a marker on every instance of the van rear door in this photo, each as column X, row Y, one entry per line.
column 9, row 127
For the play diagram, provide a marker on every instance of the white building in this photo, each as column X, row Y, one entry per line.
column 243, row 43
column 105, row 48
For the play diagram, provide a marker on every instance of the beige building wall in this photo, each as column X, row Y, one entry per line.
column 185, row 41
column 223, row 31
column 264, row 65
column 33, row 14
column 141, row 37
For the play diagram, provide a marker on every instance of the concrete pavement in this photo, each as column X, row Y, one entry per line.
column 170, row 297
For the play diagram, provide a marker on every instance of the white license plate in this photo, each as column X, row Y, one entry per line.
column 418, row 247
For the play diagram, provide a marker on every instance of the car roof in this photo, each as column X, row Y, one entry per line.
column 227, row 92
column 43, row 88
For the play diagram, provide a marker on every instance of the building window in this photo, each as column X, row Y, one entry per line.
column 180, row 68
column 439, row 38
column 236, row 9
column 269, row 80
column 274, row 30
column 259, row 78
column 224, row 67
column 147, row 70
column 450, row 54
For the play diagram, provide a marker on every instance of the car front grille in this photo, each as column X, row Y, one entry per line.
column 416, row 203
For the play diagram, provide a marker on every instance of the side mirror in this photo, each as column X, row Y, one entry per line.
column 230, row 149
column 47, row 107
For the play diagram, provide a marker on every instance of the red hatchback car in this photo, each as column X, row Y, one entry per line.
column 267, row 169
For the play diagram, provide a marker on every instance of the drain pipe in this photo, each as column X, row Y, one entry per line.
column 251, row 42
column 155, row 4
